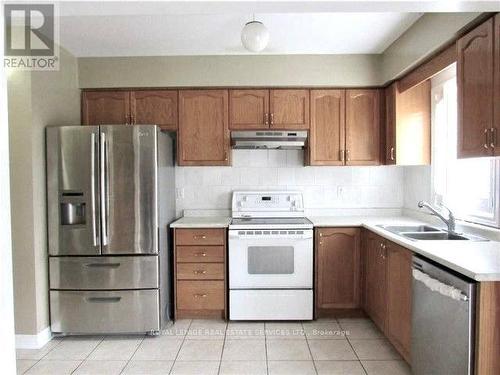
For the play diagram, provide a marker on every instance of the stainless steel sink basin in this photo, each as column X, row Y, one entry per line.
column 410, row 228
column 434, row 236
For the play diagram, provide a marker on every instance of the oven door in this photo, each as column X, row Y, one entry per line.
column 270, row 259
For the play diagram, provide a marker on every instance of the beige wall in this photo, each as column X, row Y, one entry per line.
column 426, row 35
column 264, row 70
column 36, row 99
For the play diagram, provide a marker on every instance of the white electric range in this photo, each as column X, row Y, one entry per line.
column 270, row 257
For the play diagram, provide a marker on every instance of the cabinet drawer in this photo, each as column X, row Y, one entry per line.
column 127, row 272
column 200, row 236
column 121, row 311
column 200, row 295
column 200, row 271
column 200, row 254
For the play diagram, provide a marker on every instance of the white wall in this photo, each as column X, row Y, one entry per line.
column 417, row 186
column 325, row 188
column 7, row 352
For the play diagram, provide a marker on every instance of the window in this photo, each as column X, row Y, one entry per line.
column 469, row 187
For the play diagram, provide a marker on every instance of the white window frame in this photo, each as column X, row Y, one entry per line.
column 492, row 220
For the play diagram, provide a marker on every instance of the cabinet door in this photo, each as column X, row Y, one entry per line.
column 327, row 134
column 475, row 91
column 338, row 268
column 496, row 118
column 375, row 278
column 362, row 127
column 248, row 109
column 203, row 127
column 390, row 124
column 158, row 107
column 289, row 109
column 399, row 290
column 105, row 107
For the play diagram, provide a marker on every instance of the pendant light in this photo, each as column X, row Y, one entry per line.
column 254, row 36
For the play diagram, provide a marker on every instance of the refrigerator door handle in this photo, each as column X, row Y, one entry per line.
column 92, row 188
column 104, row 192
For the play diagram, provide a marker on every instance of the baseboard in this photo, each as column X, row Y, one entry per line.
column 34, row 341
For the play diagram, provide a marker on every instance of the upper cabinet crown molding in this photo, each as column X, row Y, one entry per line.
column 477, row 82
column 203, row 128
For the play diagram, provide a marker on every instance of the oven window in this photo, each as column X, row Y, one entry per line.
column 270, row 260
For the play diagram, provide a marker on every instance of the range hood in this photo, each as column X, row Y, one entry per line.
column 269, row 139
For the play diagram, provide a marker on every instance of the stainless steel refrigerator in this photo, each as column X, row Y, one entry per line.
column 110, row 196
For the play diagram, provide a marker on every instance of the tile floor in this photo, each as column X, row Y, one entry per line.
column 343, row 346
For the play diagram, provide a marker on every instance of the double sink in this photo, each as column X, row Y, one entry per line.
column 427, row 232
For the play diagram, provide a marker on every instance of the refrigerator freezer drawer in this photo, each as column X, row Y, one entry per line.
column 122, row 272
column 86, row 312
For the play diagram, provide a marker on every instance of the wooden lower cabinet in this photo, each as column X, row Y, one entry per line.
column 399, row 298
column 375, row 273
column 200, row 273
column 337, row 269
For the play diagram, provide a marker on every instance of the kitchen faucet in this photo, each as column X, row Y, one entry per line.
column 450, row 221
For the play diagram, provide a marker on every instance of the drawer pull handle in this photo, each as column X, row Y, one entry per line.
column 200, row 237
column 200, row 254
column 102, row 265
column 199, row 272
column 104, row 299
column 200, row 295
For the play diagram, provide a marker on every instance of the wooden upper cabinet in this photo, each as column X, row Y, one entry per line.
column 289, row 109
column 203, row 128
column 390, row 93
column 496, row 101
column 338, row 268
column 105, row 107
column 475, row 62
column 158, row 107
column 362, row 127
column 249, row 109
column 399, row 297
column 375, row 280
column 327, row 133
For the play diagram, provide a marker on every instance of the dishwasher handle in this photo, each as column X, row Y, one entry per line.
column 438, row 286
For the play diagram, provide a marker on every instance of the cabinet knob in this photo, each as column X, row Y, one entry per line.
column 266, row 118
column 272, row 118
column 200, row 295
column 392, row 153
column 347, row 157
column 200, row 254
column 493, row 141
column 200, row 237
column 199, row 272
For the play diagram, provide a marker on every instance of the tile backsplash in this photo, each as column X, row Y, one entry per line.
column 210, row 188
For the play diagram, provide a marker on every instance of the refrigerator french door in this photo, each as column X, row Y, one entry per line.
column 107, row 219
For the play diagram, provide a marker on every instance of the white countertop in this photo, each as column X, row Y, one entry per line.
column 202, row 222
column 478, row 260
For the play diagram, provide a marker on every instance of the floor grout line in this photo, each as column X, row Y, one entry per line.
column 88, row 355
column 180, row 347
column 132, row 356
column 308, row 347
column 265, row 345
column 223, row 345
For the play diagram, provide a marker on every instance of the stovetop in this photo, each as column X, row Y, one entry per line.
column 271, row 223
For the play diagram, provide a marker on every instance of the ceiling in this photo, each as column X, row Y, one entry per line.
column 219, row 34
column 156, row 28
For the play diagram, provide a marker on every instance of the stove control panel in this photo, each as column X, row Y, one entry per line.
column 267, row 204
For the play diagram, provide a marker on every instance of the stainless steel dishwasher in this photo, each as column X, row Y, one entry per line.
column 442, row 321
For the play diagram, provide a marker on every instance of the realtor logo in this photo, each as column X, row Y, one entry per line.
column 31, row 37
